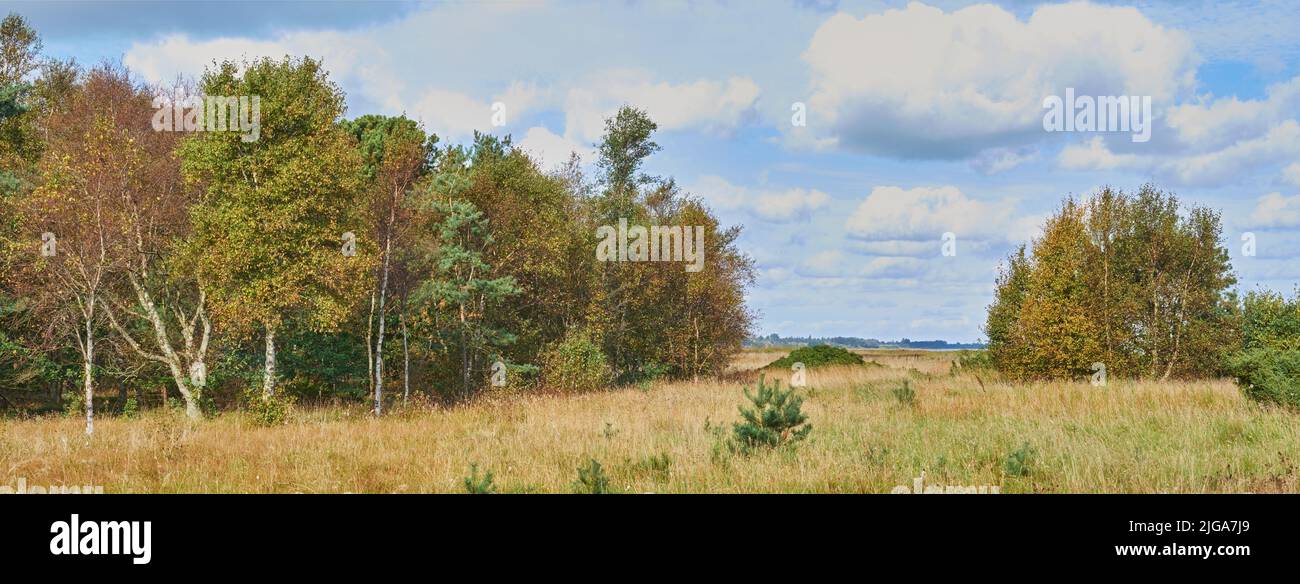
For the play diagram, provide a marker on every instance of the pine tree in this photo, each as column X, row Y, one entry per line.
column 776, row 418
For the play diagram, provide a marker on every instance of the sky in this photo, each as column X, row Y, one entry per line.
column 918, row 119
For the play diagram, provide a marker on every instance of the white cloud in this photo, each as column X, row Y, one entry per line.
column 777, row 206
column 703, row 104
column 924, row 214
column 1280, row 143
column 1291, row 173
column 551, row 150
column 822, row 264
column 894, row 267
column 1275, row 210
column 1216, row 123
column 1094, row 155
column 996, row 160
column 918, row 82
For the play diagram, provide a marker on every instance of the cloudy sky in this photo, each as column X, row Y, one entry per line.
column 921, row 118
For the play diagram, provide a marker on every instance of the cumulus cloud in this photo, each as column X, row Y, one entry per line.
column 924, row 214
column 1291, row 173
column 455, row 108
column 919, row 82
column 1275, row 210
column 705, row 104
column 551, row 150
column 1215, row 123
column 1093, row 154
column 1213, row 141
column 777, row 206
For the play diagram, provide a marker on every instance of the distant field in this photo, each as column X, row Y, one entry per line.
column 1127, row 437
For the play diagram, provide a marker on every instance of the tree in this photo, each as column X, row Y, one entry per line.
column 90, row 166
column 269, row 227
column 460, row 294
column 163, row 293
column 396, row 154
column 1133, row 281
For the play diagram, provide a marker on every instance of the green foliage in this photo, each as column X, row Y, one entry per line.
column 1019, row 461
column 457, row 299
column 479, row 485
column 267, row 410
column 654, row 464
column 974, row 361
column 817, row 356
column 774, row 420
column 74, row 404
column 575, row 365
column 592, row 479
column 1268, row 375
column 904, row 393
column 1270, row 321
column 131, row 408
column 1134, row 281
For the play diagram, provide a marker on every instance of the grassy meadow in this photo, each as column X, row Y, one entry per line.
column 1177, row 437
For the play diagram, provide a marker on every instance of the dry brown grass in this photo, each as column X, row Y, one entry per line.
column 1127, row 437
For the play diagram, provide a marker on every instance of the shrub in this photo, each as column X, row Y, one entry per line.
column 655, row 464
column 74, row 404
column 978, row 360
column 775, row 420
column 479, row 485
column 904, row 393
column 131, row 408
column 817, row 356
column 576, row 364
column 592, row 479
column 1018, row 462
column 1268, row 375
column 267, row 411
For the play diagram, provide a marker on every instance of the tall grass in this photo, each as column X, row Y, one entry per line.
column 1198, row 436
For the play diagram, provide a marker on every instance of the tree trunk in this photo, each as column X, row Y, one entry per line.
column 88, row 380
column 268, row 382
column 370, row 348
column 406, row 359
column 379, row 342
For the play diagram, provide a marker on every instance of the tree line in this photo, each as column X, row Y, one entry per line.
column 330, row 258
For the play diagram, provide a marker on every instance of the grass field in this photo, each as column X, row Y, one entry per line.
column 1174, row 437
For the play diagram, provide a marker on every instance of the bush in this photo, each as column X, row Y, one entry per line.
column 775, row 420
column 592, row 479
column 74, row 404
column 131, row 408
column 479, row 485
column 817, row 356
column 1019, row 461
column 904, row 393
column 575, row 365
column 268, row 411
column 1268, row 375
column 977, row 360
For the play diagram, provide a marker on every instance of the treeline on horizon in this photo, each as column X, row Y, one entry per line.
column 210, row 271
column 776, row 340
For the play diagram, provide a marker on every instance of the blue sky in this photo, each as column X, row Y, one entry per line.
column 921, row 118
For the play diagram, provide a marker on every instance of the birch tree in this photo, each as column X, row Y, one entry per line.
column 269, row 225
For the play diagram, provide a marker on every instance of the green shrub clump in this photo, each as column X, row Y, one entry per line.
column 267, row 410
column 817, row 356
column 575, row 365
column 1268, row 375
